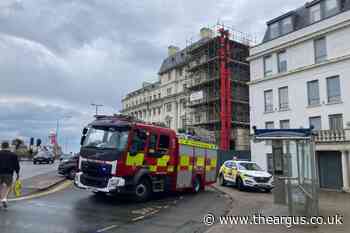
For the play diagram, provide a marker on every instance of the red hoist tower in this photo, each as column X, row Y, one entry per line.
column 225, row 89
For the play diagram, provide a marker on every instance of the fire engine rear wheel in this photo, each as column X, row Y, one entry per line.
column 197, row 185
column 143, row 190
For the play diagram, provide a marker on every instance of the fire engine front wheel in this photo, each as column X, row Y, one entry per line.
column 143, row 190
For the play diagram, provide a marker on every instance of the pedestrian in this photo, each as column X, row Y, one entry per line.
column 8, row 165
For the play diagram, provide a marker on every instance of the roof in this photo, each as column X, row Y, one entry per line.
column 149, row 87
column 180, row 58
column 301, row 17
column 171, row 62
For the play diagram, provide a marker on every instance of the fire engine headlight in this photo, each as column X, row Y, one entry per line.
column 116, row 182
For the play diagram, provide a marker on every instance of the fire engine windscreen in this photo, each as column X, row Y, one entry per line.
column 107, row 138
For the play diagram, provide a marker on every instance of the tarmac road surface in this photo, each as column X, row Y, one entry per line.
column 79, row 211
column 28, row 169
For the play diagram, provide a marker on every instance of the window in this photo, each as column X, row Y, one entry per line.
column 331, row 7
column 284, row 124
column 159, row 110
column 152, row 147
column 282, row 62
column 315, row 13
column 333, row 90
column 139, row 140
column 283, row 98
column 336, row 122
column 183, row 123
column 320, row 50
column 287, row 25
column 164, row 144
column 159, row 95
column 268, row 96
column 169, row 75
column 268, row 65
column 180, row 71
column 168, row 107
column 168, row 91
column 269, row 125
column 274, row 30
column 313, row 93
column 197, row 118
column 154, row 111
column 184, row 86
column 168, row 122
column 154, row 97
column 315, row 122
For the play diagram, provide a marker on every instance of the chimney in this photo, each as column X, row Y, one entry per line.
column 172, row 50
column 206, row 33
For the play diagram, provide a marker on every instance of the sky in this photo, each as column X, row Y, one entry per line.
column 59, row 56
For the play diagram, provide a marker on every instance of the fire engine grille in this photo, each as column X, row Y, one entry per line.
column 96, row 169
column 262, row 179
column 93, row 181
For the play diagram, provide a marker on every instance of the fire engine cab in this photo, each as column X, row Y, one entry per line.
column 121, row 155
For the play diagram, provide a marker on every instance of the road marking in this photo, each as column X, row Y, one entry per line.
column 107, row 228
column 145, row 216
column 60, row 187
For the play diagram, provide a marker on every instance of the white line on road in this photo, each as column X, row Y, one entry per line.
column 107, row 228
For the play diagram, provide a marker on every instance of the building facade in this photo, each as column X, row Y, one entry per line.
column 299, row 78
column 187, row 93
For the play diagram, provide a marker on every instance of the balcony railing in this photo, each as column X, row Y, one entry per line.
column 326, row 136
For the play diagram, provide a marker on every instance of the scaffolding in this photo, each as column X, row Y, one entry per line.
column 217, row 77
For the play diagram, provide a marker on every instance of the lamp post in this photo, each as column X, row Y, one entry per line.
column 58, row 126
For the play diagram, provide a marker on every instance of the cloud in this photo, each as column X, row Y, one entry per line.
column 59, row 56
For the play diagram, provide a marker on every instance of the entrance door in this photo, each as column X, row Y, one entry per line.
column 330, row 170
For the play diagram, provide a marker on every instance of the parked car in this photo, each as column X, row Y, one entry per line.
column 245, row 175
column 43, row 156
column 69, row 166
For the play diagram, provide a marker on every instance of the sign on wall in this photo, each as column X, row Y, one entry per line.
column 196, row 96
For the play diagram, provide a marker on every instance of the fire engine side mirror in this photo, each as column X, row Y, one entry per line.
column 85, row 130
column 82, row 140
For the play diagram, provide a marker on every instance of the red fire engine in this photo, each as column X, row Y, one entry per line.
column 121, row 155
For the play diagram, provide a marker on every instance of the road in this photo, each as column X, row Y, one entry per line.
column 28, row 169
column 78, row 211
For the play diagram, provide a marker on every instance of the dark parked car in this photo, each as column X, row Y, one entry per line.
column 69, row 166
column 43, row 157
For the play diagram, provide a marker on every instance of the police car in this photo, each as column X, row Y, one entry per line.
column 245, row 175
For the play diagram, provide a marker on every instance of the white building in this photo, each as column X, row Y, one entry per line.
column 300, row 77
column 163, row 101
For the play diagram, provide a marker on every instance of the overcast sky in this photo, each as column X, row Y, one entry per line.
column 59, row 56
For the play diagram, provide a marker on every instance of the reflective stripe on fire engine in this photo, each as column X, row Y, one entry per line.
column 185, row 163
column 136, row 160
column 162, row 165
column 199, row 144
column 211, row 166
column 200, row 161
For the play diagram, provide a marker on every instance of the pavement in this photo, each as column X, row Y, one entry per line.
column 78, row 211
column 37, row 178
column 247, row 203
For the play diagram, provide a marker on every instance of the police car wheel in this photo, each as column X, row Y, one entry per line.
column 240, row 184
column 143, row 190
column 222, row 181
column 196, row 185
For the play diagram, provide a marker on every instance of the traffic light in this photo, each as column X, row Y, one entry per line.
column 38, row 142
column 31, row 141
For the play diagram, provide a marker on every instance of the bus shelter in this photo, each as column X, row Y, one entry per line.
column 294, row 169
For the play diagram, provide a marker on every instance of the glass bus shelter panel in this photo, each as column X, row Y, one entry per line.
column 301, row 183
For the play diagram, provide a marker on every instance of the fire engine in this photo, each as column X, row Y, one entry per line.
column 121, row 155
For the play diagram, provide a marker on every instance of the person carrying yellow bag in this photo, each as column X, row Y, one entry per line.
column 8, row 165
column 17, row 188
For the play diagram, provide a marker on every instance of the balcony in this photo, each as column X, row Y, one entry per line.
column 333, row 136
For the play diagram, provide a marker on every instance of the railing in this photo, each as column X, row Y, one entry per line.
column 341, row 135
